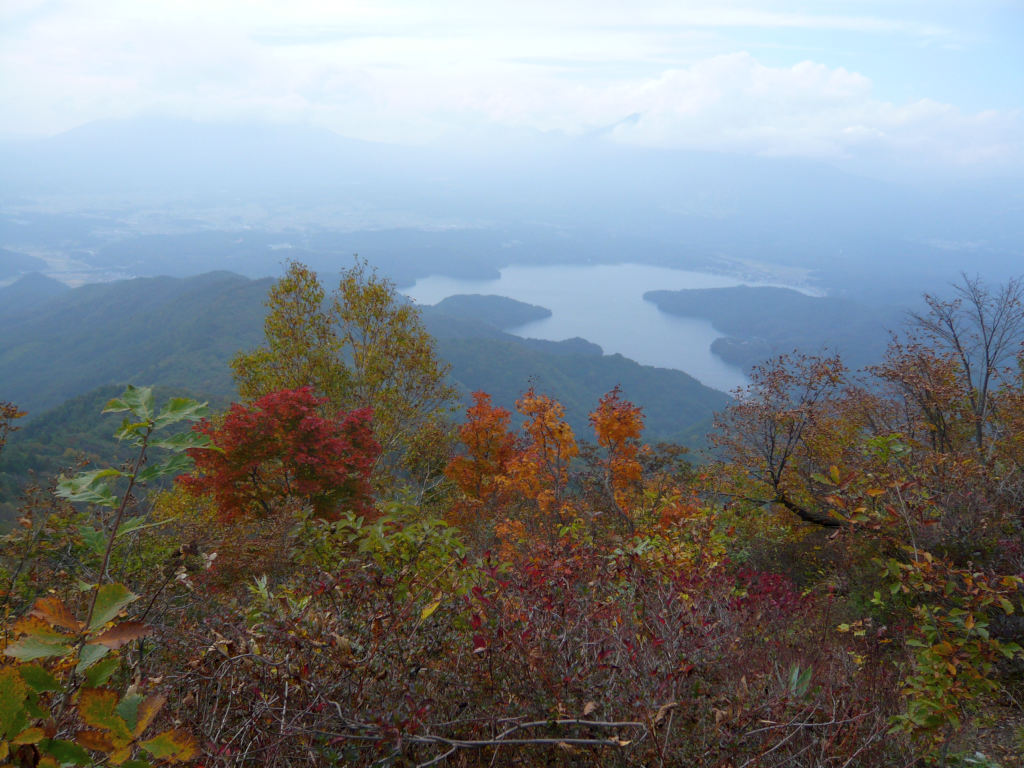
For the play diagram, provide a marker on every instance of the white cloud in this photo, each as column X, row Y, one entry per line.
column 647, row 70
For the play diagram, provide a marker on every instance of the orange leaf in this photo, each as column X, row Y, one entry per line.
column 53, row 610
column 95, row 740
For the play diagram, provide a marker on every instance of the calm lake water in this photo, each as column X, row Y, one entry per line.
column 604, row 304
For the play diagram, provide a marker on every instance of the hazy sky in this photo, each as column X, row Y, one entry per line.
column 917, row 81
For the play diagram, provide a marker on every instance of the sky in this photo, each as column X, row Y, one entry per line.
column 918, row 84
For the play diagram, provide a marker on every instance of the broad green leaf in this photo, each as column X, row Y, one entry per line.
column 138, row 400
column 180, row 409
column 180, row 463
column 13, row 692
column 128, row 710
column 28, row 648
column 38, row 679
column 96, row 707
column 88, row 478
column 95, row 540
column 91, row 492
column 66, row 752
column 109, row 602
column 183, row 441
column 101, row 672
column 89, row 655
column 133, row 431
column 173, row 746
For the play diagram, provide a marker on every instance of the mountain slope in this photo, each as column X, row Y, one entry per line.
column 764, row 321
column 28, row 292
column 12, row 264
column 174, row 332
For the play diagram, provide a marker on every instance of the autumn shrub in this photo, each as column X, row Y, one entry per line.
column 281, row 448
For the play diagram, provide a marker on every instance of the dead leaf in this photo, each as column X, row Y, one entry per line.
column 589, row 708
column 663, row 710
column 122, row 634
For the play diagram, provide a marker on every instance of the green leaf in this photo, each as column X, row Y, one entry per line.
column 89, row 655
column 109, row 602
column 66, row 752
column 100, row 673
column 173, row 465
column 180, row 409
column 95, row 540
column 134, row 431
column 39, row 680
column 128, row 709
column 28, row 648
column 86, row 488
column 13, row 692
column 138, row 400
column 183, row 441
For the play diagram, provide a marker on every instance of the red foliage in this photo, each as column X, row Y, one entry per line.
column 280, row 447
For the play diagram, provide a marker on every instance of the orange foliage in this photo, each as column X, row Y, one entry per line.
column 540, row 471
column 618, row 425
column 489, row 448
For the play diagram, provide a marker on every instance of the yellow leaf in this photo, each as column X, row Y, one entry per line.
column 427, row 612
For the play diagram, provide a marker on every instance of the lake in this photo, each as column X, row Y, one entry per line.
column 604, row 304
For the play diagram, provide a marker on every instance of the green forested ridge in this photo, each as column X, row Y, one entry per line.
column 178, row 332
column 28, row 292
column 12, row 263
column 764, row 321
column 499, row 311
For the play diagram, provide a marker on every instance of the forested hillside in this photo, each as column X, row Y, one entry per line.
column 762, row 322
